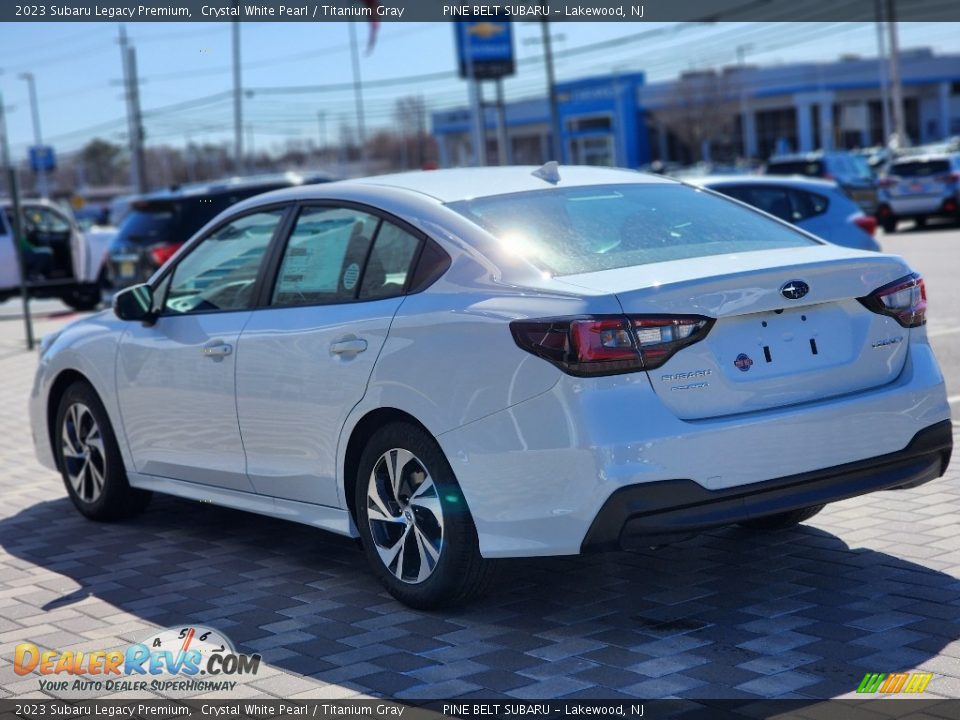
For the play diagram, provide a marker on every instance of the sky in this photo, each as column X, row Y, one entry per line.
column 77, row 67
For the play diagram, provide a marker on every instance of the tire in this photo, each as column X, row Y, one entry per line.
column 889, row 225
column 83, row 297
column 920, row 222
column 782, row 521
column 89, row 458
column 438, row 563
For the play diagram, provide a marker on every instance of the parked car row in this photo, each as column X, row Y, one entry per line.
column 156, row 225
column 920, row 186
column 75, row 256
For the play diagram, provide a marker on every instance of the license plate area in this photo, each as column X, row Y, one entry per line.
column 782, row 342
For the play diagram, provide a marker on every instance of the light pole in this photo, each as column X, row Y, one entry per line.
column 42, row 180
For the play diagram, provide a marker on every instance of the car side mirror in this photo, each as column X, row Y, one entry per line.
column 134, row 303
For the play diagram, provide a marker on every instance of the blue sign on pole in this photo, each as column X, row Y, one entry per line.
column 42, row 158
column 486, row 48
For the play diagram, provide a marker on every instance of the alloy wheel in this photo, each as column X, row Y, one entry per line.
column 83, row 452
column 405, row 516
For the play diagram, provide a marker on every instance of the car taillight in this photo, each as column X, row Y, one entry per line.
column 609, row 345
column 905, row 300
column 867, row 223
column 948, row 177
column 161, row 253
column 886, row 182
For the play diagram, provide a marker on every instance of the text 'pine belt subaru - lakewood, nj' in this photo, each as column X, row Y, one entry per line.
column 463, row 365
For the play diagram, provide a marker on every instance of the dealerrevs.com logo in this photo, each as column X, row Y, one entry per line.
column 189, row 659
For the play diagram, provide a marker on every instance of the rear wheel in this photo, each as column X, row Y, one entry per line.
column 920, row 222
column 89, row 458
column 889, row 224
column 782, row 521
column 416, row 530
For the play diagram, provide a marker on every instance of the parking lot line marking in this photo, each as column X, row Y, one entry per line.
column 944, row 331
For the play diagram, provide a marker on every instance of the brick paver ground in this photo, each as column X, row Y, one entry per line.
column 870, row 585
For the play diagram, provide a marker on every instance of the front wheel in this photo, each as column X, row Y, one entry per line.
column 416, row 530
column 782, row 521
column 89, row 458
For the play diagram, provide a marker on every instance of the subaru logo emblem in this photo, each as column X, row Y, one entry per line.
column 794, row 290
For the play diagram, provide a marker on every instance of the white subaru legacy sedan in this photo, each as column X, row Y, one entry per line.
column 462, row 365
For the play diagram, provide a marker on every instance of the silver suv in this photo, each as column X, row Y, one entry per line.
column 919, row 186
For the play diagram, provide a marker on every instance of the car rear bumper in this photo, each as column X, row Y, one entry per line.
column 643, row 515
column 923, row 206
column 537, row 475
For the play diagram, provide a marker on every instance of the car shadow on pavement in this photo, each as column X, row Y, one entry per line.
column 728, row 614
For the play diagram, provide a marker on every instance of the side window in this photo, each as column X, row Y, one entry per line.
column 391, row 260
column 324, row 258
column 808, row 204
column 773, row 200
column 220, row 273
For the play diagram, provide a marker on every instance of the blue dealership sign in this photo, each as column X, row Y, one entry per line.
column 42, row 158
column 487, row 46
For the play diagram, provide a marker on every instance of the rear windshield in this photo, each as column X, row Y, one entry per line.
column 566, row 231
column 810, row 168
column 920, row 168
column 151, row 223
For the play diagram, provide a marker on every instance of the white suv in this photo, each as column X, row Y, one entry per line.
column 917, row 187
column 61, row 261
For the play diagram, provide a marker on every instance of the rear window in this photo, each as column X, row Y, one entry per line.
column 809, row 168
column 155, row 222
column 566, row 231
column 920, row 168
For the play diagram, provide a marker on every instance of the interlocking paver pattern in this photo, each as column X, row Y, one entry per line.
column 872, row 584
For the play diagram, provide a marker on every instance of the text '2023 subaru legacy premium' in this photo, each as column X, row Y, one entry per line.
column 463, row 365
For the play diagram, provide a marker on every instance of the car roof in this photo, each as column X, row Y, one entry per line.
column 233, row 184
column 452, row 185
column 799, row 181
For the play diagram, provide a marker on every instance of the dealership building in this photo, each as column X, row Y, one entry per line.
column 621, row 120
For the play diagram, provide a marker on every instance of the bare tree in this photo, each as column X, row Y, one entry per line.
column 701, row 108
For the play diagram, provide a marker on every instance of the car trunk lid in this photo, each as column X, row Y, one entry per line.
column 766, row 350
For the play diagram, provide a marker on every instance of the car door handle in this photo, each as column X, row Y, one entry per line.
column 348, row 346
column 216, row 349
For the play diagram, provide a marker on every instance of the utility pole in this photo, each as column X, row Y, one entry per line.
column 358, row 95
column 882, row 61
column 551, row 91
column 322, row 123
column 744, row 109
column 17, row 222
column 503, row 142
column 237, row 103
column 141, row 164
column 43, row 183
column 4, row 140
column 899, row 127
column 131, row 92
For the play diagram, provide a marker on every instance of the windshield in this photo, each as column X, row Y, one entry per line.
column 566, row 231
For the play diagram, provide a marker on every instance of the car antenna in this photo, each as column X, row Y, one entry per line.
column 549, row 171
